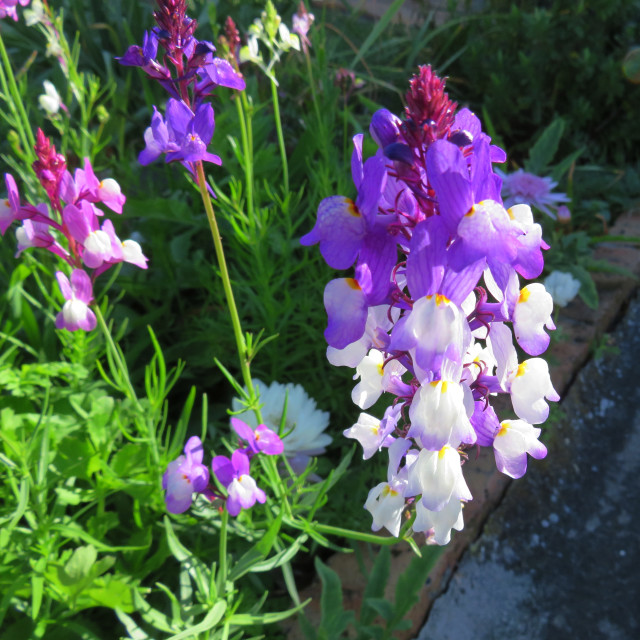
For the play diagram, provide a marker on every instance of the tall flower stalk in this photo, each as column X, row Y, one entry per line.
column 425, row 318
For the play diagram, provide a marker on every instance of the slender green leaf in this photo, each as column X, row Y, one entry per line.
column 377, row 30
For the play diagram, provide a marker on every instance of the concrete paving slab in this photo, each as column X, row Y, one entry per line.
column 559, row 557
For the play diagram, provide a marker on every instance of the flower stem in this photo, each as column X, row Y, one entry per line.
column 248, row 155
column 241, row 345
column 355, row 535
column 222, row 570
column 283, row 151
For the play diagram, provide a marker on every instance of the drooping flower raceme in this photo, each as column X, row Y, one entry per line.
column 433, row 307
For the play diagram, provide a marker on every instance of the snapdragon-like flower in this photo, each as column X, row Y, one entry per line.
column 262, row 440
column 304, row 426
column 78, row 293
column 233, row 474
column 438, row 259
column 50, row 101
column 190, row 72
column 183, row 136
column 185, row 477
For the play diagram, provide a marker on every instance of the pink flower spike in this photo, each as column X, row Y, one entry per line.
column 78, row 293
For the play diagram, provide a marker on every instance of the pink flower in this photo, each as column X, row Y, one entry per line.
column 8, row 8
column 234, row 475
column 78, row 294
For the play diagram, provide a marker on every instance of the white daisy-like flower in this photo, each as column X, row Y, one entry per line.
column 305, row 422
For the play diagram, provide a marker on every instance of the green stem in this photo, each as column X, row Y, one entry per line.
column 16, row 105
column 247, row 110
column 222, row 570
column 248, row 157
column 316, row 107
column 355, row 535
column 283, row 151
column 226, row 285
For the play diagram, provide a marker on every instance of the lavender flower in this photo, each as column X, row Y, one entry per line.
column 78, row 293
column 522, row 187
column 190, row 72
column 262, row 440
column 185, row 476
column 233, row 474
column 183, row 136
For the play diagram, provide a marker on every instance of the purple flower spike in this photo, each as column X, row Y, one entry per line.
column 263, row 440
column 234, row 475
column 185, row 476
column 78, row 294
column 9, row 207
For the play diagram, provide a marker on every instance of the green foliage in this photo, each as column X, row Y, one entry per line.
column 379, row 617
column 531, row 62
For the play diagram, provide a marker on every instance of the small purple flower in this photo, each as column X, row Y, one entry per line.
column 262, row 440
column 185, row 476
column 233, row 474
column 302, row 21
column 78, row 294
column 183, row 136
column 36, row 234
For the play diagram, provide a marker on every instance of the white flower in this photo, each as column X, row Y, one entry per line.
column 562, row 286
column 305, row 422
column 50, row 100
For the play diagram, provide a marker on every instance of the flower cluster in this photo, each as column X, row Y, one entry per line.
column 190, row 72
column 304, row 423
column 431, row 311
column 8, row 8
column 69, row 226
column 187, row 475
